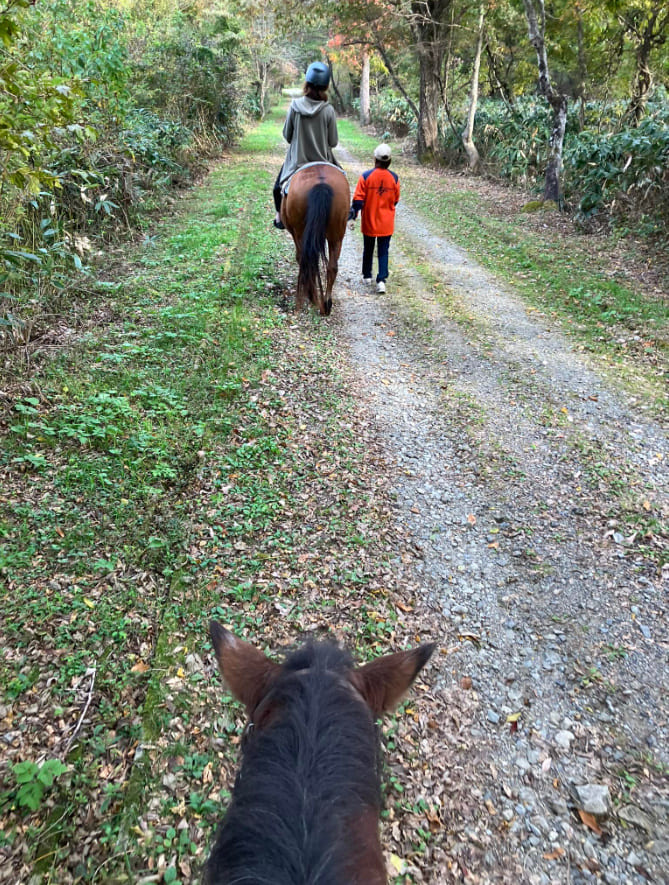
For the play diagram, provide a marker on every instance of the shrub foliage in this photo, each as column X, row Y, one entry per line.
column 100, row 113
column 612, row 170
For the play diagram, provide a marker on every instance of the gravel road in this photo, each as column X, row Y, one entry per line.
column 513, row 459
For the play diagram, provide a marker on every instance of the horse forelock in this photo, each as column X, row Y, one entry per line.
column 303, row 779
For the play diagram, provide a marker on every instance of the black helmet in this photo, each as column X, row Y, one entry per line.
column 318, row 75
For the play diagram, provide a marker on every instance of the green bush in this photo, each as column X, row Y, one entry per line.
column 92, row 128
column 203, row 60
column 611, row 170
column 391, row 113
column 624, row 174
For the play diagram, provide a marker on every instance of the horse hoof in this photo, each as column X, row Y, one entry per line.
column 279, row 225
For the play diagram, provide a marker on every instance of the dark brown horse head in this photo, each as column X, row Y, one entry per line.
column 307, row 797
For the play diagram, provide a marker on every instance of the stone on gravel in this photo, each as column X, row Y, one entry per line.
column 593, row 798
column 558, row 805
column 564, row 738
column 633, row 815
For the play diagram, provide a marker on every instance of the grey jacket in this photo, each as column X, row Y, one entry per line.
column 311, row 132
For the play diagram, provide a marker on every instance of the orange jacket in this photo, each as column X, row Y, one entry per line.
column 377, row 193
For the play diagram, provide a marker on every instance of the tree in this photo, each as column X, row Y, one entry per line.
column 536, row 25
column 428, row 22
column 646, row 23
column 364, row 87
column 468, row 133
column 358, row 24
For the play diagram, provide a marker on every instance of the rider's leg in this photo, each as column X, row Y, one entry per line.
column 277, row 199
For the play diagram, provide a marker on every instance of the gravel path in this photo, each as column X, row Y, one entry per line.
column 514, row 458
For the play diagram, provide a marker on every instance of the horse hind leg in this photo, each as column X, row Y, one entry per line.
column 334, row 250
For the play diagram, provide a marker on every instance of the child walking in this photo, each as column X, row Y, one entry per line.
column 376, row 194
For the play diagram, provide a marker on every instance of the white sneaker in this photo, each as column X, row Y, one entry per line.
column 367, row 281
column 381, row 287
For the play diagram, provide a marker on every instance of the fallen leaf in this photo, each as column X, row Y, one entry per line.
column 397, row 863
column 89, row 603
column 554, row 855
column 590, row 821
column 140, row 667
column 471, row 519
column 472, row 637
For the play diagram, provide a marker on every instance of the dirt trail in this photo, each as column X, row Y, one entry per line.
column 508, row 446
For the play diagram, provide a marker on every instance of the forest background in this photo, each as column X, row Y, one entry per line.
column 105, row 107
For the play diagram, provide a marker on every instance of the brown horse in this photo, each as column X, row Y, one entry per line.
column 306, row 803
column 315, row 212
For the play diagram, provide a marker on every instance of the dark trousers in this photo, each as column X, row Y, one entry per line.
column 368, row 256
column 277, row 191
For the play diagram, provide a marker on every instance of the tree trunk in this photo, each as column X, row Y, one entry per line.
column 552, row 190
column 264, row 83
column 642, row 82
column 557, row 101
column 339, row 103
column 652, row 33
column 468, row 134
column 364, row 88
column 429, row 101
column 582, row 69
column 427, row 26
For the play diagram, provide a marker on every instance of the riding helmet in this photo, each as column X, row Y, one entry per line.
column 318, row 75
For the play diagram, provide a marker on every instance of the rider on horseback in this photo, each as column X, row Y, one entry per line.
column 310, row 130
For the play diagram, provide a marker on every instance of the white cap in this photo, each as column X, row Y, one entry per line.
column 382, row 152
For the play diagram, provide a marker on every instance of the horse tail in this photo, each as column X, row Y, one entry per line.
column 313, row 251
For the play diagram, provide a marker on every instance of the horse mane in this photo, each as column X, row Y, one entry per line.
column 303, row 778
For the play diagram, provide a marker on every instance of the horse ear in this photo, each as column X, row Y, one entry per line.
column 247, row 672
column 383, row 681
